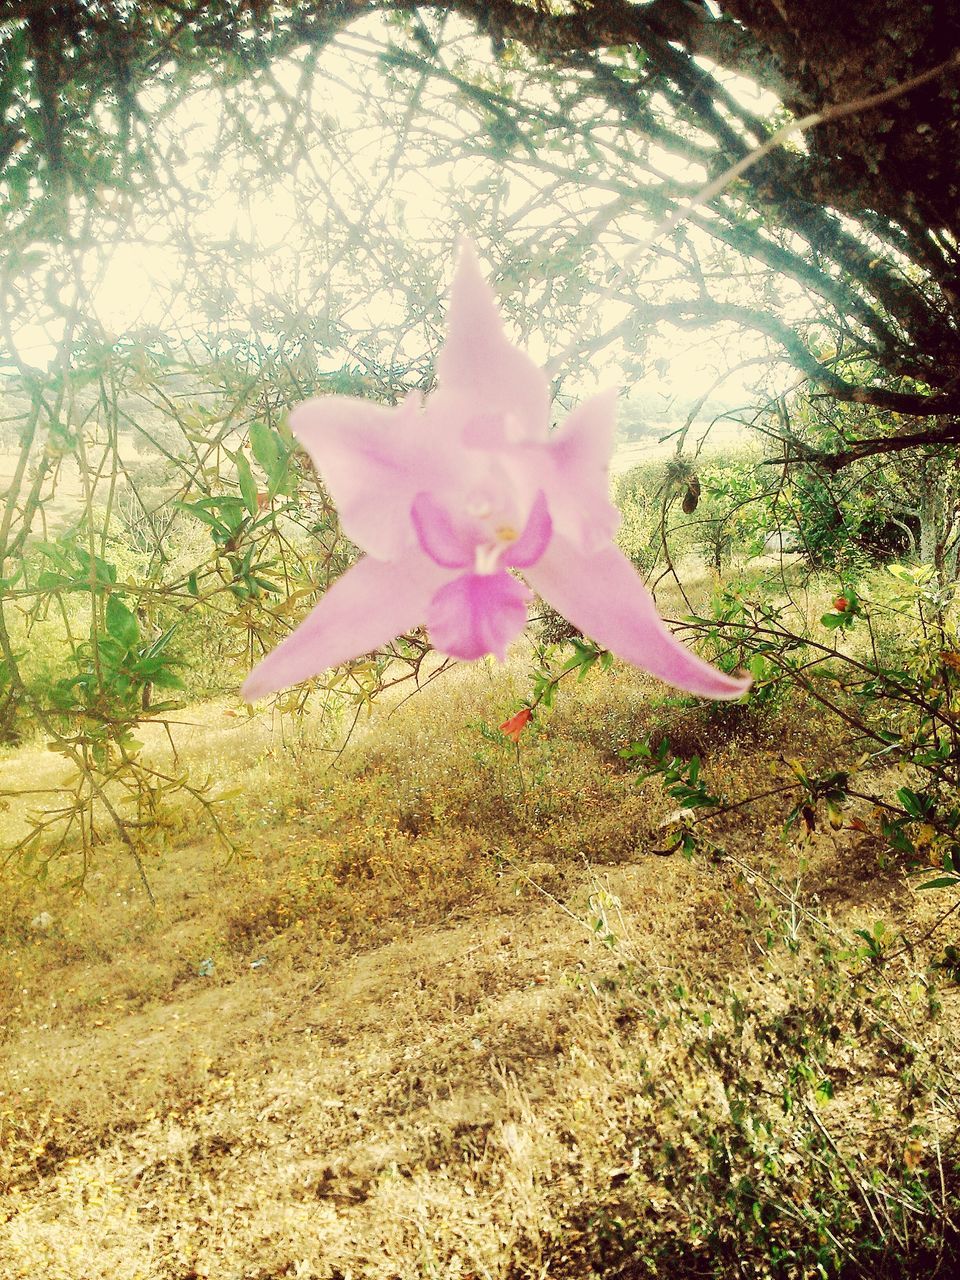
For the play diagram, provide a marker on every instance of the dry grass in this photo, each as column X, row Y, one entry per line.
column 386, row 1040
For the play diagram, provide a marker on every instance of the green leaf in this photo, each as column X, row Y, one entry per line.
column 104, row 573
column 161, row 642
column 112, row 652
column 201, row 513
column 941, row 882
column 248, row 486
column 901, row 573
column 57, row 582
column 268, row 450
column 824, row 1091
column 757, row 666
column 911, row 802
column 224, row 514
column 166, row 679
column 121, row 623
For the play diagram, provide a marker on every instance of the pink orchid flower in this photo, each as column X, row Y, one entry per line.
column 449, row 495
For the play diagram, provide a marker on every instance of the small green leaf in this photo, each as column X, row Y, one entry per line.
column 201, row 513
column 104, row 573
column 941, row 882
column 248, row 486
column 824, row 1091
column 121, row 623
column 48, row 581
column 166, row 679
column 267, row 450
column 912, row 802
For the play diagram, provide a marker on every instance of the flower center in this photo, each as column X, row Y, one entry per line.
column 493, row 527
column 488, row 552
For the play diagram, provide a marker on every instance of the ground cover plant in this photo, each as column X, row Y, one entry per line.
column 468, row 1022
column 417, row 966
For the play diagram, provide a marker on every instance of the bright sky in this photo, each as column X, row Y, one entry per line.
column 136, row 282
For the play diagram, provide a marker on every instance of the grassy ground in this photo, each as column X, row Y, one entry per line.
column 443, row 1013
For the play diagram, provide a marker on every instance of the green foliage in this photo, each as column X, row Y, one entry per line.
column 723, row 507
column 144, row 592
column 897, row 692
column 736, row 512
column 681, row 779
column 585, row 658
column 740, row 1127
column 874, row 510
column 635, row 494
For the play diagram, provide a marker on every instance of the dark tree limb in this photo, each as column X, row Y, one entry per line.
column 948, row 433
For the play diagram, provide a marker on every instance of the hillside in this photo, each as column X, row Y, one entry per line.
column 438, row 1017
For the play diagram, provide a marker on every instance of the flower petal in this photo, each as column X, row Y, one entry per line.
column 534, row 540
column 439, row 536
column 515, row 726
column 602, row 595
column 479, row 363
column 578, row 477
column 372, row 603
column 477, row 613
column 572, row 467
column 373, row 460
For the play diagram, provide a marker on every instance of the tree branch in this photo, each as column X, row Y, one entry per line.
column 857, row 450
column 704, row 311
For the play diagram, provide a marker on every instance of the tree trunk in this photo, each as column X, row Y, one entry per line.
column 938, row 513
